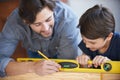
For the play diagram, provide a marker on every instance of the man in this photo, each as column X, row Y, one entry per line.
column 45, row 25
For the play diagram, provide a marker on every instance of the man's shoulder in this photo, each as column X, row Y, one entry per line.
column 14, row 18
column 62, row 10
column 13, row 14
column 14, row 25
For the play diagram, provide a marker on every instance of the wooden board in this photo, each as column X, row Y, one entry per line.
column 65, row 76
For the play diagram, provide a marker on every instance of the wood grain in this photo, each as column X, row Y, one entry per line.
column 64, row 76
column 55, row 76
column 111, row 76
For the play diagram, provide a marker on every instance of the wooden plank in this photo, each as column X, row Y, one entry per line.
column 111, row 77
column 65, row 76
column 56, row 76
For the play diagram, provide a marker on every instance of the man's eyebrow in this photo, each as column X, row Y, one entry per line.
column 48, row 18
column 36, row 23
column 45, row 20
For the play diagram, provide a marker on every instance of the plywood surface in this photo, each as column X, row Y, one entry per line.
column 65, row 76
column 55, row 76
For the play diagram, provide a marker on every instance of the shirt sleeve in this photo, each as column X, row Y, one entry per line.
column 8, row 43
column 83, row 48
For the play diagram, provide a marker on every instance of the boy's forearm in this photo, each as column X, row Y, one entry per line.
column 16, row 68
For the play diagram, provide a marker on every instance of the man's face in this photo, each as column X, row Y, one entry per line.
column 95, row 44
column 44, row 23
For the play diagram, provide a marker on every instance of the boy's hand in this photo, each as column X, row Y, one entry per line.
column 98, row 60
column 83, row 60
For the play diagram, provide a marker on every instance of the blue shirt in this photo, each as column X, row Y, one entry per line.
column 63, row 43
column 113, row 52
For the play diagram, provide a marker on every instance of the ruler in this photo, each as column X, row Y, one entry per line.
column 73, row 66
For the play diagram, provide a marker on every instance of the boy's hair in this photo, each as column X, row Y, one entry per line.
column 97, row 22
column 28, row 9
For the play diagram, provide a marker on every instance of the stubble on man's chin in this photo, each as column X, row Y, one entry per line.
column 50, row 36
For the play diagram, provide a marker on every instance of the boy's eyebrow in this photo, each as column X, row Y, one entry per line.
column 92, row 42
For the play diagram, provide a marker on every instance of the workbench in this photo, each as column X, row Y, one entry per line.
column 65, row 76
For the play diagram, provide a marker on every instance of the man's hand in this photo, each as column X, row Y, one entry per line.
column 45, row 67
column 42, row 67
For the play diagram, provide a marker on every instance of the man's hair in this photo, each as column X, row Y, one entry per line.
column 97, row 22
column 28, row 9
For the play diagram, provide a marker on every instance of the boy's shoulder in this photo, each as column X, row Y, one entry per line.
column 116, row 38
column 116, row 35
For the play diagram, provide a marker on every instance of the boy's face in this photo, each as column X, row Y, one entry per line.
column 95, row 44
column 44, row 23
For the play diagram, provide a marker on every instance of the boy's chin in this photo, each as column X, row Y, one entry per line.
column 93, row 49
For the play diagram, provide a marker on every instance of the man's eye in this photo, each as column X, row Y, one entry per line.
column 48, row 20
column 38, row 24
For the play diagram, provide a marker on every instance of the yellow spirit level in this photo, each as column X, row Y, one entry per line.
column 73, row 66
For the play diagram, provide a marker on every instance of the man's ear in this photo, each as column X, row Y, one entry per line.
column 24, row 21
column 110, row 36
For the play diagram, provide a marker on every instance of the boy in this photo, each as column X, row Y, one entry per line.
column 99, row 41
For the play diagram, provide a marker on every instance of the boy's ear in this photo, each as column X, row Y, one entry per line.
column 110, row 36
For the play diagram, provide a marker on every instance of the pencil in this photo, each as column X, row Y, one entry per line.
column 43, row 55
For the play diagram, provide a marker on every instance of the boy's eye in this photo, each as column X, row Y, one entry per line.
column 92, row 43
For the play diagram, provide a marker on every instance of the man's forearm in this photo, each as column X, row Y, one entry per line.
column 16, row 68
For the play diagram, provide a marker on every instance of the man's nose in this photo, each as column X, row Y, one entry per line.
column 45, row 27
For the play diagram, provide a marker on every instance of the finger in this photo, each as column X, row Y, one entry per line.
column 105, row 60
column 100, row 60
column 85, row 60
column 89, row 65
column 77, row 59
column 54, row 64
column 53, row 68
column 97, row 61
column 94, row 60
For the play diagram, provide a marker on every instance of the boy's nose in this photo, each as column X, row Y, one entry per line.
column 87, row 45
